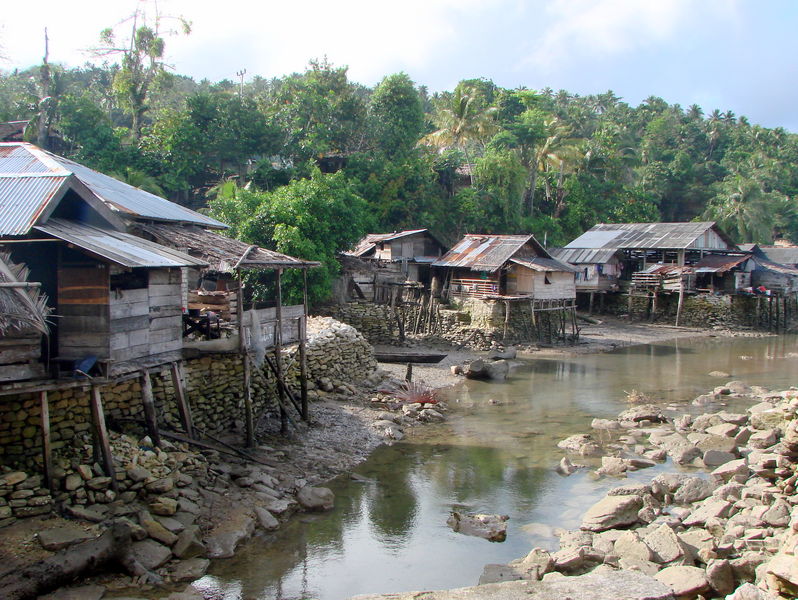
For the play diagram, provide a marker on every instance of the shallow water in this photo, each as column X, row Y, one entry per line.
column 390, row 534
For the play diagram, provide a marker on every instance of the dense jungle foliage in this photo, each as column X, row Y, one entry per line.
column 308, row 162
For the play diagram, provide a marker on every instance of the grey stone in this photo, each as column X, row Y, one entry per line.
column 490, row 527
column 708, row 509
column 189, row 545
column 629, row 545
column 86, row 514
column 223, row 542
column 160, row 486
column 82, row 592
column 316, row 498
column 164, row 506
column 664, row 544
column 190, row 569
column 266, row 520
column 59, row 538
column 611, row 512
column 150, row 554
column 720, row 576
column 684, row 581
column 748, row 591
column 155, row 530
column 580, row 444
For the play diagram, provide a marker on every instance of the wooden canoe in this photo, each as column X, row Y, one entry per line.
column 409, row 357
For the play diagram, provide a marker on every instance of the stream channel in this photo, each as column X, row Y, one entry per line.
column 390, row 534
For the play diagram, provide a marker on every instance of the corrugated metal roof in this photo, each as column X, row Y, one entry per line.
column 719, row 263
column 769, row 265
column 582, row 256
column 132, row 201
column 23, row 198
column 487, row 252
column 120, row 248
column 26, row 173
column 780, row 254
column 545, row 264
column 619, row 236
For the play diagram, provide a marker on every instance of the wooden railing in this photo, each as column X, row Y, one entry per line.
column 473, row 288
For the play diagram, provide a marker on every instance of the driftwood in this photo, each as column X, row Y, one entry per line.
column 110, row 549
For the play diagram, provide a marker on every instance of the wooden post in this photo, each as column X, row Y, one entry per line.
column 653, row 314
column 681, row 301
column 182, row 401
column 47, row 450
column 590, row 306
column 148, row 401
column 303, row 361
column 506, row 318
column 101, row 435
column 629, row 307
column 249, row 419
column 278, row 351
column 409, row 372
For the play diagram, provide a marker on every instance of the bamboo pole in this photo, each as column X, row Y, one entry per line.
column 101, row 435
column 681, row 302
column 249, row 419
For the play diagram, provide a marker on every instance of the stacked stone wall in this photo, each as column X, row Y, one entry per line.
column 376, row 322
column 698, row 310
column 336, row 353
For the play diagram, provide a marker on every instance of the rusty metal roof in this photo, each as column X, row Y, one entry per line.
column 117, row 247
column 369, row 242
column 719, row 263
column 623, row 236
column 582, row 256
column 489, row 252
column 30, row 179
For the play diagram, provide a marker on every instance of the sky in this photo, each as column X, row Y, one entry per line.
column 738, row 55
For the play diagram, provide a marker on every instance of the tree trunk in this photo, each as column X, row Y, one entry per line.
column 529, row 194
column 73, row 563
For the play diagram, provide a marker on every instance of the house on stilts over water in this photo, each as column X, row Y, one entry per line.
column 120, row 307
column 509, row 288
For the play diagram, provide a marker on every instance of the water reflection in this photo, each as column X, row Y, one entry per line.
column 390, row 534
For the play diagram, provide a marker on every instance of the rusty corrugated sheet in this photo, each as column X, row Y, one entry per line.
column 369, row 242
column 22, row 200
column 17, row 158
column 482, row 252
column 545, row 264
column 715, row 263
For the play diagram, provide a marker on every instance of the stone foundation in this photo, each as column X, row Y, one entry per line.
column 700, row 310
column 337, row 356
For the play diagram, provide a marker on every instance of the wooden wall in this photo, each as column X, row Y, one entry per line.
column 83, row 312
column 147, row 321
column 561, row 285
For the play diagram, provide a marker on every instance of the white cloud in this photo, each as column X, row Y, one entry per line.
column 600, row 29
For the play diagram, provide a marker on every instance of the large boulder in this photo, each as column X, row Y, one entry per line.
column 684, row 581
column 480, row 369
column 611, row 512
column 581, row 444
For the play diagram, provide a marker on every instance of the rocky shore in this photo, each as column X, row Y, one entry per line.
column 722, row 524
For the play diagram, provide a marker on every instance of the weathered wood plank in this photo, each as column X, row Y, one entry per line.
column 18, row 355
column 47, row 449
column 148, row 400
column 18, row 372
column 166, row 322
column 132, row 309
column 101, row 434
column 130, row 324
column 165, row 335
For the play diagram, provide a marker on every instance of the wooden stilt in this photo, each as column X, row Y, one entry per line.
column 101, row 435
column 681, row 302
column 47, row 450
column 590, row 305
column 506, row 318
column 148, row 401
column 303, row 359
column 246, row 391
column 629, row 304
column 653, row 305
column 278, row 352
column 182, row 401
column 409, row 372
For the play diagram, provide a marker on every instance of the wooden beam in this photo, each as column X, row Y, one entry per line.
column 47, row 449
column 148, row 400
column 303, row 337
column 278, row 352
column 249, row 418
column 183, row 406
column 101, row 435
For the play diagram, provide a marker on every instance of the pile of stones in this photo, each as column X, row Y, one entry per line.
column 733, row 533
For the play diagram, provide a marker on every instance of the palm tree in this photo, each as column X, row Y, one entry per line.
column 461, row 120
column 743, row 209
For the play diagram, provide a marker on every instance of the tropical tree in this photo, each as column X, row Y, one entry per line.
column 396, row 115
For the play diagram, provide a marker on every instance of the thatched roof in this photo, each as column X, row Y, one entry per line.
column 22, row 307
column 223, row 254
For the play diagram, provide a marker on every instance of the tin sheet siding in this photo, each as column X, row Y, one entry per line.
column 22, row 200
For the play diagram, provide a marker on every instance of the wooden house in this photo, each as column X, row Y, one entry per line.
column 411, row 251
column 485, row 266
column 599, row 270
column 117, row 290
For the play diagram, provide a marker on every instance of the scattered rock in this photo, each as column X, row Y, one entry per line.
column 491, row 527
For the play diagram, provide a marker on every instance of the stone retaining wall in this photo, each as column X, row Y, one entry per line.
column 698, row 310
column 337, row 355
column 377, row 322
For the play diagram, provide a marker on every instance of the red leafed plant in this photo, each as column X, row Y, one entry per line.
column 414, row 392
